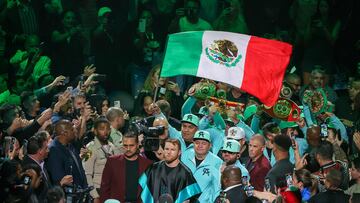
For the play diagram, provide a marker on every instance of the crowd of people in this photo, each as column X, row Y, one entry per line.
column 86, row 117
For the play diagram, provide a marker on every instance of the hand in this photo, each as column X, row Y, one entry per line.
column 17, row 123
column 174, row 87
column 347, row 123
column 62, row 100
column 45, row 115
column 96, row 200
column 66, row 180
column 126, row 115
column 260, row 110
column 356, row 139
column 46, row 124
column 90, row 80
column 301, row 122
column 213, row 109
column 86, row 113
column 59, row 80
column 302, row 163
column 88, row 70
column 83, row 152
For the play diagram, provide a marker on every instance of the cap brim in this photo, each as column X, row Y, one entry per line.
column 183, row 121
column 201, row 139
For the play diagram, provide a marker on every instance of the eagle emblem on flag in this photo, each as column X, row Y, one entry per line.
column 223, row 52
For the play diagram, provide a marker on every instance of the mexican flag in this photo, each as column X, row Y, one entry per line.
column 255, row 65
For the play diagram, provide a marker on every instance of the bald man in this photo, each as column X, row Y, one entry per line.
column 63, row 158
column 313, row 136
column 258, row 165
column 294, row 82
column 232, row 186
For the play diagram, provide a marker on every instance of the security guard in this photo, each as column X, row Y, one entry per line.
column 99, row 150
column 204, row 165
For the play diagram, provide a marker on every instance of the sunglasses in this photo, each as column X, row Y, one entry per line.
column 227, row 152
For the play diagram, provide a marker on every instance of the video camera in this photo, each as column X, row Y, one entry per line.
column 151, row 140
column 77, row 194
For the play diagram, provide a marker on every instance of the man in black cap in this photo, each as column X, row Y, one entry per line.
column 283, row 166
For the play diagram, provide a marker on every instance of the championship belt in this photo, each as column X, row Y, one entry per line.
column 317, row 101
column 202, row 90
column 284, row 109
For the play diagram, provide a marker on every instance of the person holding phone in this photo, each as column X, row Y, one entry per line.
column 148, row 49
column 30, row 61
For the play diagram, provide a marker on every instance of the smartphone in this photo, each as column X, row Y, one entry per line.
column 162, row 90
column 267, row 185
column 289, row 181
column 70, row 89
column 249, row 190
column 117, row 104
column 66, row 80
column 292, row 137
column 100, row 77
column 27, row 180
column 142, row 25
column 25, row 144
column 324, row 132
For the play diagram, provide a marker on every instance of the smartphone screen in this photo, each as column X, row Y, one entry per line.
column 117, row 103
column 142, row 25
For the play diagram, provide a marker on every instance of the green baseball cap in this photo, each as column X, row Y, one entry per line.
column 231, row 146
column 191, row 118
column 249, row 111
column 202, row 135
column 284, row 124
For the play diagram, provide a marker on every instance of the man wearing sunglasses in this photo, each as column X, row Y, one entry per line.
column 230, row 154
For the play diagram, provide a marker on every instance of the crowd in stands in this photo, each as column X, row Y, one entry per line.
column 85, row 115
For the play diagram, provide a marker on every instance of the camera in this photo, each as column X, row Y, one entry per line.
column 77, row 194
column 151, row 140
column 77, row 112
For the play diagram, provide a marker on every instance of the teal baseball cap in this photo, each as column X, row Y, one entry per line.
column 285, row 124
column 191, row 118
column 202, row 135
column 231, row 146
column 331, row 125
column 204, row 110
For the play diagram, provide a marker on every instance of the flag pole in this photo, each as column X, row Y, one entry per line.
column 162, row 63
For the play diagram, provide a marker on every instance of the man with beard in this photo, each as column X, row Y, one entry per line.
column 230, row 154
column 169, row 177
column 99, row 150
column 121, row 172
